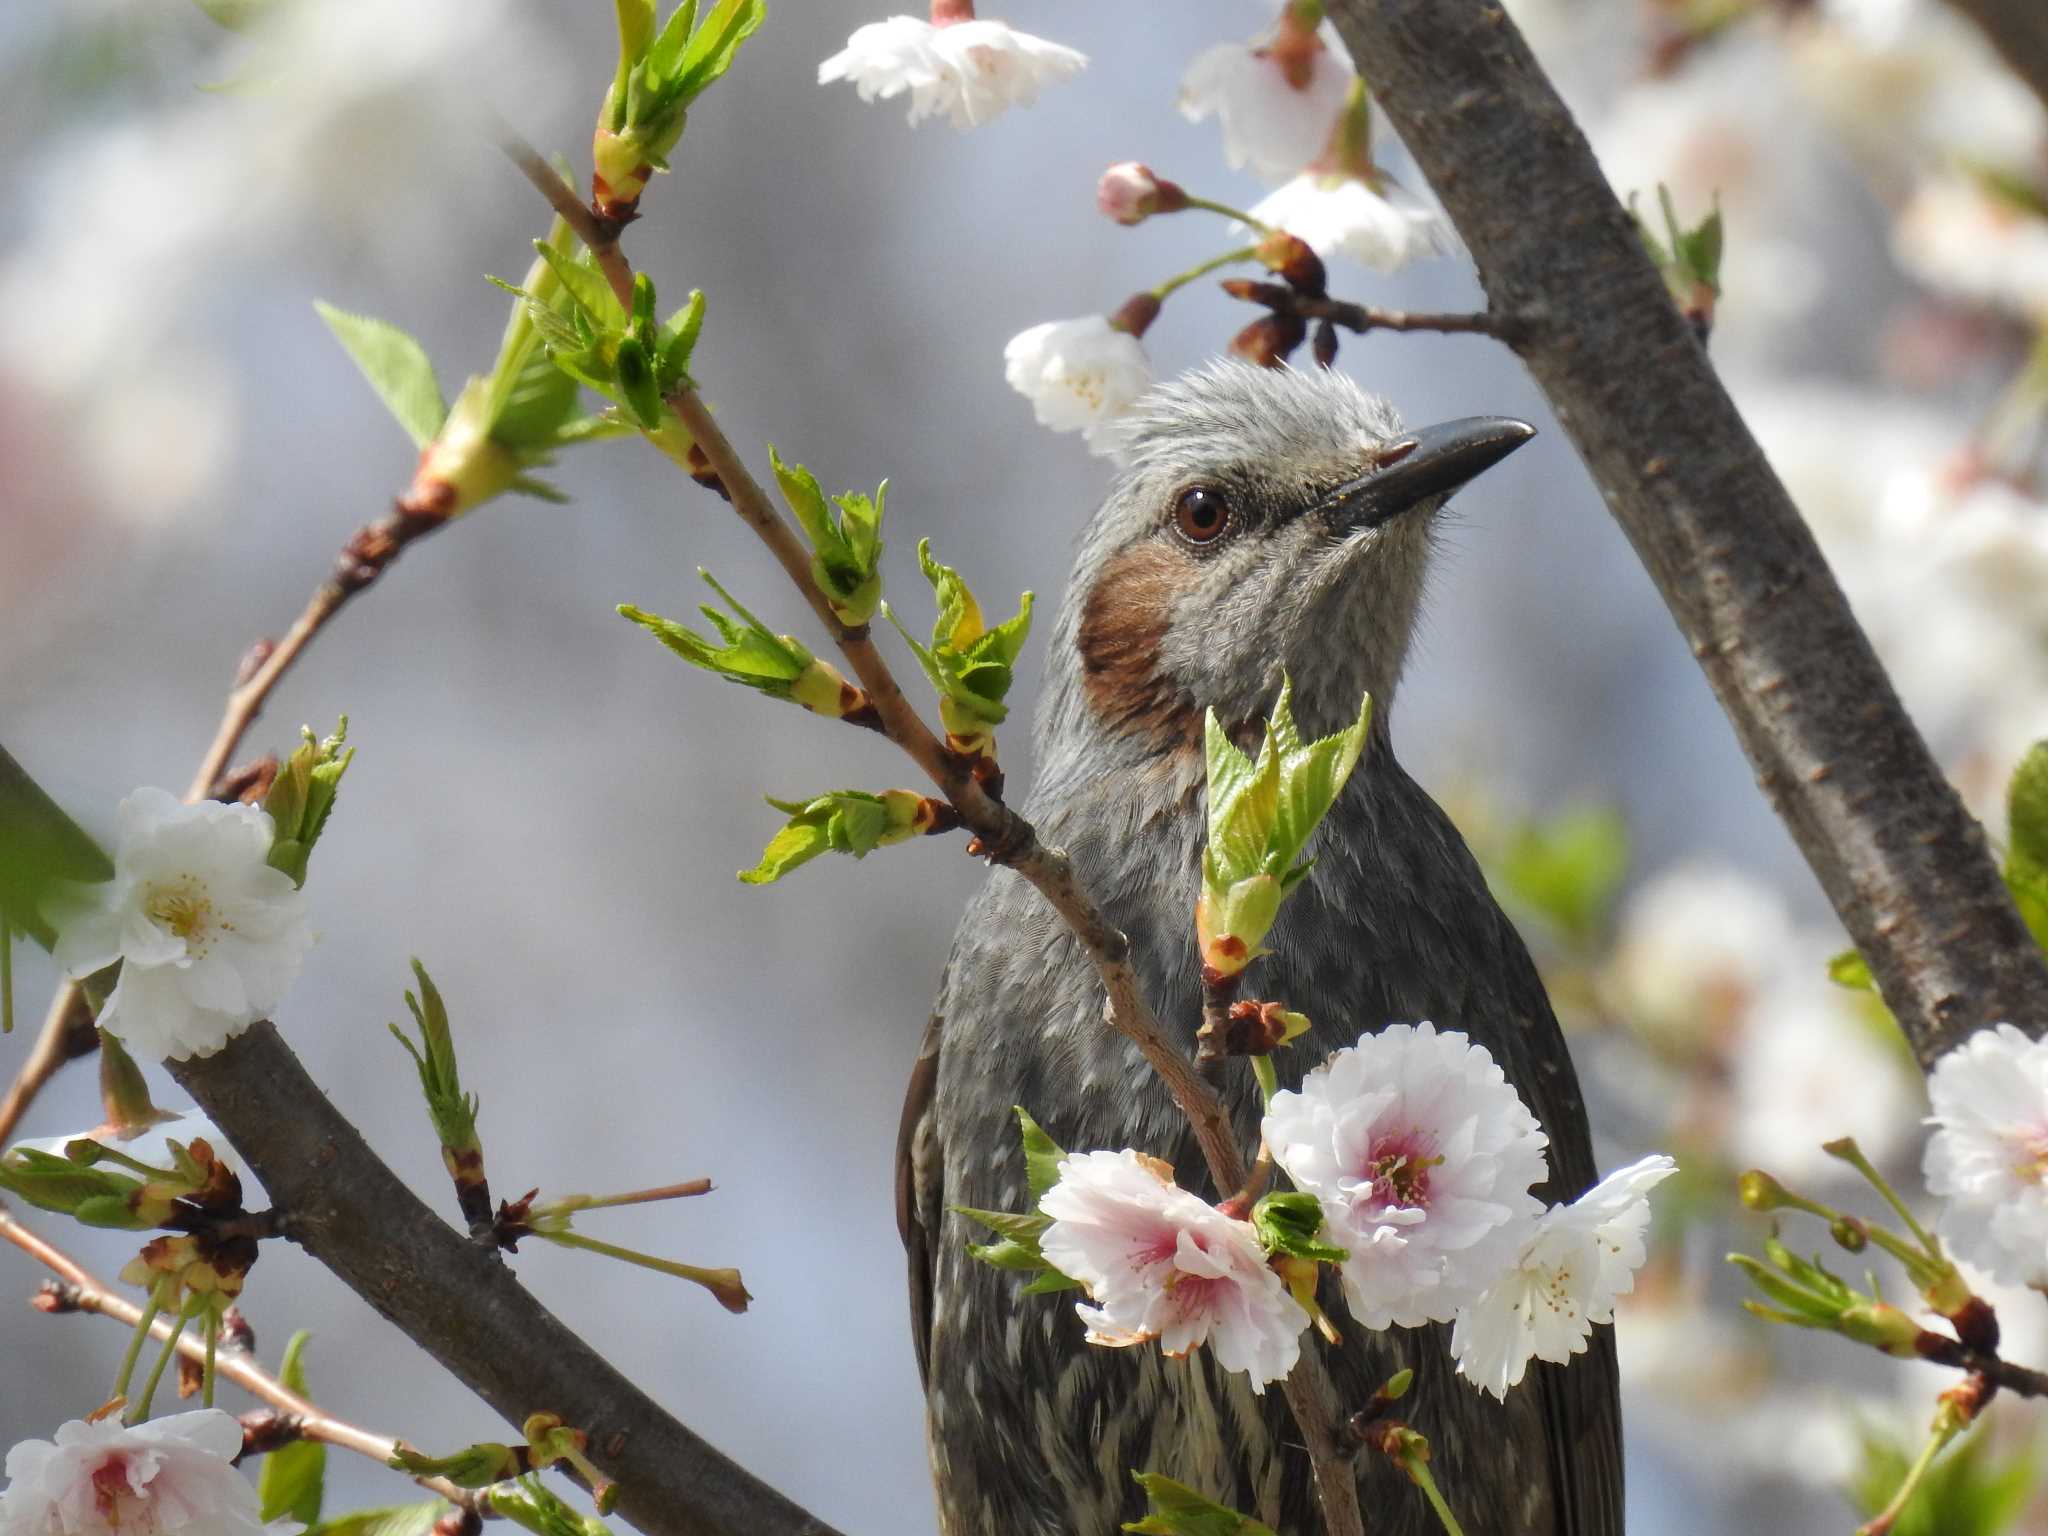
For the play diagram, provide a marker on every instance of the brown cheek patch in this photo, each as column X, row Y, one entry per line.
column 1125, row 619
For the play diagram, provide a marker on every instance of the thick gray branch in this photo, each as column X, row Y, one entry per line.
column 1905, row 866
column 2018, row 29
column 461, row 1303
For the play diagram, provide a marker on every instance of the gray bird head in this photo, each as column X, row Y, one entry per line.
column 1267, row 519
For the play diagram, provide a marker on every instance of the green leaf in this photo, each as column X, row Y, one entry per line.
column 586, row 287
column 1018, row 1226
column 301, row 798
column 452, row 1111
column 1174, row 1509
column 393, row 1520
column 1042, row 1157
column 2026, row 806
column 634, row 370
column 54, row 1183
column 969, row 665
column 849, row 821
column 42, row 852
column 1974, row 1490
column 1849, row 969
column 678, row 342
column 749, row 652
column 1288, row 1221
column 1311, row 775
column 713, row 46
column 675, row 36
column 1567, row 869
column 396, row 366
column 293, row 1479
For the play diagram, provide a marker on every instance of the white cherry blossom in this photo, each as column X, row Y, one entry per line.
column 165, row 1477
column 1565, row 1278
column 1421, row 1154
column 1159, row 1262
column 209, row 936
column 1276, row 97
column 1079, row 375
column 971, row 70
column 1988, row 1156
column 1339, row 214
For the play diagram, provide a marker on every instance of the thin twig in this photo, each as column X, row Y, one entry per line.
column 77, row 1290
column 2019, row 1380
column 600, row 235
column 66, row 1035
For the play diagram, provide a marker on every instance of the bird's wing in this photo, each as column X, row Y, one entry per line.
column 917, row 1175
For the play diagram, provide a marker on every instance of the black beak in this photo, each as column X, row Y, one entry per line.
column 1433, row 461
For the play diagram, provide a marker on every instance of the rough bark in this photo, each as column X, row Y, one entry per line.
column 461, row 1303
column 1905, row 866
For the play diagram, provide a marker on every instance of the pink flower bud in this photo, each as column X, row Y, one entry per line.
column 1130, row 193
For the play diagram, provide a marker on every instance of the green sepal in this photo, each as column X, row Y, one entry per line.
column 1287, row 1221
column 293, row 1479
column 452, row 1111
column 1174, row 1509
column 1020, row 1231
column 849, row 821
column 397, row 368
column 301, row 797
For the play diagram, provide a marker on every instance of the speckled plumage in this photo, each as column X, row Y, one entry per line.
column 1032, row 1431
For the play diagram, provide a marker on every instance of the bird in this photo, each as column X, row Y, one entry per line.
column 1267, row 523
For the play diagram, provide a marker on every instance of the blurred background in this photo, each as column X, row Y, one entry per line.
column 547, row 808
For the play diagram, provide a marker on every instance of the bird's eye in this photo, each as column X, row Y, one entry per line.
column 1201, row 515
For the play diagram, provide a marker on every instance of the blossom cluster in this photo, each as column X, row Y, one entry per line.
column 1291, row 109
column 1423, row 1160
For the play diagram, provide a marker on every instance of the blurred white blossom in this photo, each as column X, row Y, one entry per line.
column 1421, row 1155
column 1079, row 375
column 1988, row 1157
column 970, row 70
column 1814, row 1064
column 1694, row 944
column 209, row 936
column 1965, row 241
column 1277, row 97
column 1564, row 1279
column 1159, row 1262
column 172, row 1476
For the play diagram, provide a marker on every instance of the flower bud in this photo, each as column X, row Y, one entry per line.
column 1269, row 340
column 1129, row 193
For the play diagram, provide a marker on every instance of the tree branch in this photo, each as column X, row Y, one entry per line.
column 461, row 1303
column 77, row 1289
column 2018, row 29
column 1905, row 866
